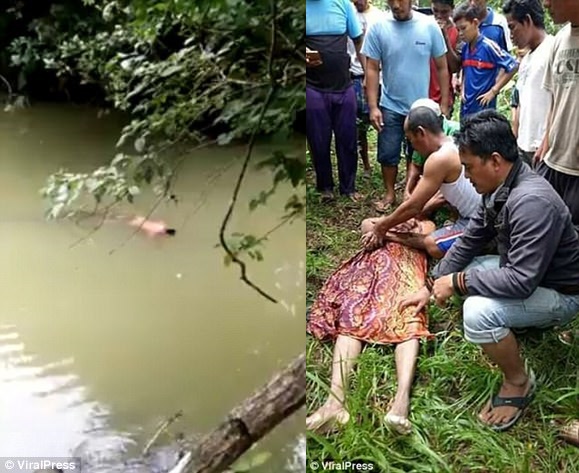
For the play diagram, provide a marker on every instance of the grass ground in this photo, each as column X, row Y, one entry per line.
column 453, row 380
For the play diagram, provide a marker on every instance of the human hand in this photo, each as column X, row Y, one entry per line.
column 376, row 119
column 442, row 290
column 405, row 227
column 487, row 98
column 418, row 299
column 370, row 241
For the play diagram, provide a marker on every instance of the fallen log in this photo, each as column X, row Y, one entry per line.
column 247, row 423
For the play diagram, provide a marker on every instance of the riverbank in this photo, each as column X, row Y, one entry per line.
column 453, row 379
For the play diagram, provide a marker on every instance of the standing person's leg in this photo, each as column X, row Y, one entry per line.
column 346, row 352
column 319, row 136
column 363, row 143
column 389, row 148
column 488, row 322
column 362, row 122
column 343, row 116
column 567, row 187
column 406, row 354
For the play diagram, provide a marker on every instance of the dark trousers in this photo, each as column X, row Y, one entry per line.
column 328, row 112
column 567, row 187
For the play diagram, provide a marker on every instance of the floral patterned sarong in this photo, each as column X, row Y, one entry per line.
column 361, row 297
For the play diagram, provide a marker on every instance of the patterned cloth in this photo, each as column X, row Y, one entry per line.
column 361, row 297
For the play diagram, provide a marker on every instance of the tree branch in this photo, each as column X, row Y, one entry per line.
column 247, row 159
column 250, row 421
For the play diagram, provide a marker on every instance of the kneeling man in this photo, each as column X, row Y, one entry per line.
column 534, row 280
column 443, row 181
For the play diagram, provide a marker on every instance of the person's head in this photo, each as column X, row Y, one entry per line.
column 442, row 9
column 480, row 6
column 563, row 10
column 487, row 149
column 361, row 5
column 423, row 128
column 524, row 17
column 466, row 20
column 401, row 9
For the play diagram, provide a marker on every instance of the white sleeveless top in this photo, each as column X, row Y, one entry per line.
column 461, row 193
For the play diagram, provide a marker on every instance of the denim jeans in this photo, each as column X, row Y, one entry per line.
column 488, row 320
column 391, row 138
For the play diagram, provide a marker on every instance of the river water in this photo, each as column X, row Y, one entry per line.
column 104, row 335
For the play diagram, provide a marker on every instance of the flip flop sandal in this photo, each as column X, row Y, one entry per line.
column 569, row 337
column 327, row 196
column 570, row 433
column 519, row 402
column 383, row 208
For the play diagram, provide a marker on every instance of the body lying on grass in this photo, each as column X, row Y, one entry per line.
column 533, row 282
column 443, row 181
column 359, row 304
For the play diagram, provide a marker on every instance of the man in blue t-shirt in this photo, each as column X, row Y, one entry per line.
column 330, row 97
column 481, row 60
column 402, row 45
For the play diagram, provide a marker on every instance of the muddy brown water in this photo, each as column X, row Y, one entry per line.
column 97, row 348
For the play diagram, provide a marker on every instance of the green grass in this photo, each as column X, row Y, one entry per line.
column 453, row 380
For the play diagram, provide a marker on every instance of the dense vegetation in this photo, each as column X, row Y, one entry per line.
column 186, row 72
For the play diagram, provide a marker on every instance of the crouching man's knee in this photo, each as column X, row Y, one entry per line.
column 483, row 320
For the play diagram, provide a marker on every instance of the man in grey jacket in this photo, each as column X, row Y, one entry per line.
column 533, row 282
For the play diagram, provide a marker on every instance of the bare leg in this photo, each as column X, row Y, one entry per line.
column 418, row 241
column 363, row 142
column 389, row 174
column 406, row 354
column 516, row 382
column 346, row 351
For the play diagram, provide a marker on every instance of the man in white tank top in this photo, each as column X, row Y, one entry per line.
column 443, row 181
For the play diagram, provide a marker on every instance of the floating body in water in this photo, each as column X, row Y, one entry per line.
column 151, row 228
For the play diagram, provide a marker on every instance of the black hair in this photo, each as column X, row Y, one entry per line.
column 467, row 11
column 521, row 9
column 426, row 118
column 485, row 133
column 450, row 3
column 170, row 231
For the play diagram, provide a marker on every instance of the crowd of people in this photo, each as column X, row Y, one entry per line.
column 512, row 251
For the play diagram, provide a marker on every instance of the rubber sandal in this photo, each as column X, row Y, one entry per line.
column 568, row 337
column 519, row 402
column 570, row 433
column 383, row 208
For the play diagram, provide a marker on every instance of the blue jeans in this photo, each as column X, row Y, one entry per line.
column 488, row 320
column 391, row 138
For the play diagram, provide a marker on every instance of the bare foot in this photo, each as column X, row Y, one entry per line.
column 397, row 417
column 332, row 413
column 500, row 415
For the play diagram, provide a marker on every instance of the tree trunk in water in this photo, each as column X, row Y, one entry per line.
column 250, row 421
